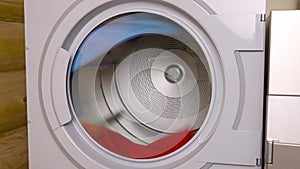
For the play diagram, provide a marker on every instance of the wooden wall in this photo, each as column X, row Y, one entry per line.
column 13, row 131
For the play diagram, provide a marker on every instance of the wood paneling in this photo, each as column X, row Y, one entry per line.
column 13, row 131
column 12, row 66
column 11, row 10
column 12, row 105
column 11, row 47
column 13, row 149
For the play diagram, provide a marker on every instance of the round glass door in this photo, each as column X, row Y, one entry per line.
column 140, row 85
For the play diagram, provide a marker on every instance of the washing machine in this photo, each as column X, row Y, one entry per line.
column 145, row 84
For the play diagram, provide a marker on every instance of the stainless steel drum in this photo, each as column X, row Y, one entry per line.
column 142, row 76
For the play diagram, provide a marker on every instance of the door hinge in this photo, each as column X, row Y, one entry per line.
column 262, row 17
column 269, row 151
column 258, row 162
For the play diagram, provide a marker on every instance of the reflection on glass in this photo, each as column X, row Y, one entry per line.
column 140, row 85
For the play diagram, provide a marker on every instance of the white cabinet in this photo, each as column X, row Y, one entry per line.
column 283, row 100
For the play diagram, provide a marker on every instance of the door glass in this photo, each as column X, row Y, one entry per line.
column 140, row 85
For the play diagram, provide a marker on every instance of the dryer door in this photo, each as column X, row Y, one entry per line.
column 132, row 85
